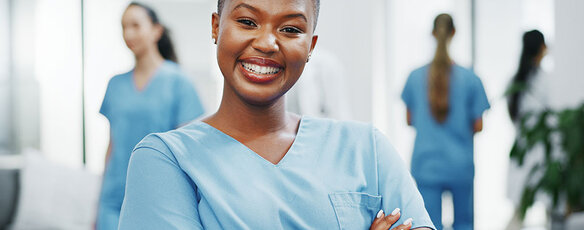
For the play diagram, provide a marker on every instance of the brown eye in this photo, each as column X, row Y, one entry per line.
column 247, row 22
column 291, row 30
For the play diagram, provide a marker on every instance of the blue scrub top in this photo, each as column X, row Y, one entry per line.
column 336, row 175
column 166, row 102
column 444, row 151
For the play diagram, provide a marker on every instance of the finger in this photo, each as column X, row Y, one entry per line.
column 405, row 226
column 385, row 222
column 377, row 221
column 392, row 218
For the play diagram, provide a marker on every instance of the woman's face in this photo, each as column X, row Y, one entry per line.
column 263, row 45
column 140, row 34
column 541, row 54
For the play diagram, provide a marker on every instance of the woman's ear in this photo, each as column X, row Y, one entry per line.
column 215, row 27
column 313, row 44
column 158, row 30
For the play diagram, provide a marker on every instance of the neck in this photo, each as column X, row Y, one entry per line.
column 538, row 61
column 237, row 115
column 148, row 61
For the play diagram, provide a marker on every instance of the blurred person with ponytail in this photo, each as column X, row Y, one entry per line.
column 155, row 96
column 530, row 95
column 445, row 103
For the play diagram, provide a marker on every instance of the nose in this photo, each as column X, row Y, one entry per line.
column 266, row 41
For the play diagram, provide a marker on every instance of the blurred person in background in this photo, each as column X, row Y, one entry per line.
column 531, row 95
column 155, row 96
column 321, row 91
column 445, row 103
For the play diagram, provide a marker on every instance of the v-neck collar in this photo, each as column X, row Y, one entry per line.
column 147, row 85
column 291, row 151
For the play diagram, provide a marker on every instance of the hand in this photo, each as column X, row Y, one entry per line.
column 382, row 222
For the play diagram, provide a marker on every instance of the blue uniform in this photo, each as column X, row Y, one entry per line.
column 443, row 153
column 166, row 102
column 336, row 175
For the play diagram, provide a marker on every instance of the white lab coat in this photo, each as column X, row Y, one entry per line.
column 320, row 91
column 536, row 99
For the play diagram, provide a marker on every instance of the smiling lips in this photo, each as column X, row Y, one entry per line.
column 260, row 70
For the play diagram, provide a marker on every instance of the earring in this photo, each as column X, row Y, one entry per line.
column 214, row 41
column 308, row 59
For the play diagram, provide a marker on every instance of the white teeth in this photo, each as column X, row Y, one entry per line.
column 260, row 69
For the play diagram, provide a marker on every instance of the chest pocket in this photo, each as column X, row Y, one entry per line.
column 355, row 210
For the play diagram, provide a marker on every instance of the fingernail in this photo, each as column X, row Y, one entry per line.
column 395, row 212
column 380, row 213
column 408, row 221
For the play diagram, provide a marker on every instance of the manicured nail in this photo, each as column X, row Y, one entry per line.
column 408, row 221
column 380, row 213
column 395, row 212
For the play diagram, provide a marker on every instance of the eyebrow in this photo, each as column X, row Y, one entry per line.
column 297, row 16
column 244, row 5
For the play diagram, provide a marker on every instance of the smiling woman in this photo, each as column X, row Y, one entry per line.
column 253, row 38
column 252, row 165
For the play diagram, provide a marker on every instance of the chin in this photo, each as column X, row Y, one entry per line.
column 260, row 96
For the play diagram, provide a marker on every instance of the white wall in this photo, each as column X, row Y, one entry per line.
column 105, row 56
column 498, row 34
column 58, row 71
column 5, row 89
column 567, row 88
column 342, row 31
column 45, row 80
column 25, row 88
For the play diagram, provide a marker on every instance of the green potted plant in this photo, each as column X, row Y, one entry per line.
column 561, row 173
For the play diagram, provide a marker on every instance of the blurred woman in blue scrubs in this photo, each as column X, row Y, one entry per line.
column 155, row 96
column 445, row 103
column 252, row 165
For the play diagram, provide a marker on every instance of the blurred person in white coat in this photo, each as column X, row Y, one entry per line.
column 533, row 98
column 321, row 90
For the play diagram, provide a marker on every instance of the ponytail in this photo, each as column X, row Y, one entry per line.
column 533, row 41
column 440, row 68
column 165, row 46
